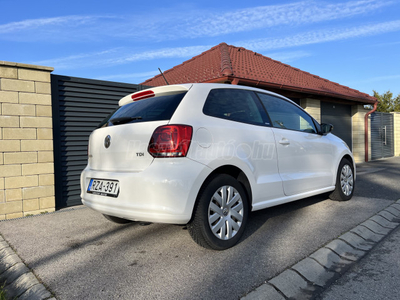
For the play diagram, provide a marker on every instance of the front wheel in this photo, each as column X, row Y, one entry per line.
column 220, row 214
column 344, row 182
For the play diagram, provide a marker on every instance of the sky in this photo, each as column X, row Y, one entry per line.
column 354, row 43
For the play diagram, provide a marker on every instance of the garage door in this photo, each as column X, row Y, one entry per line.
column 339, row 115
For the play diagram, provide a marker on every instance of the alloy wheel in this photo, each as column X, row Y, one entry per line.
column 225, row 212
column 346, row 180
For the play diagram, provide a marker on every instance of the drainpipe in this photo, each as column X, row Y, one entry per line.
column 366, row 129
column 235, row 81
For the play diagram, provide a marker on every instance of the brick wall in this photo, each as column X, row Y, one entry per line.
column 26, row 141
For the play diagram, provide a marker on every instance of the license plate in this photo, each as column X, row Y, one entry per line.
column 103, row 187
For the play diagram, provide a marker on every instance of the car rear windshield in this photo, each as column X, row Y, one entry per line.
column 151, row 109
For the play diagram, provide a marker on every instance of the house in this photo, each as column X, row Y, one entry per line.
column 326, row 101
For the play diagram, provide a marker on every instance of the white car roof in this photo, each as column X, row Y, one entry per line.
column 176, row 88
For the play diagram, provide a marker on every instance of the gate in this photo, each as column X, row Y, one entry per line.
column 382, row 135
column 79, row 105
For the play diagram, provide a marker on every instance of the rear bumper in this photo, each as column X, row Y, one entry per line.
column 165, row 192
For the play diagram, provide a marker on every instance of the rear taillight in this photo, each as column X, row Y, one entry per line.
column 142, row 95
column 170, row 141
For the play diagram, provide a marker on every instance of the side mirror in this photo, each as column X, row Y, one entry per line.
column 326, row 128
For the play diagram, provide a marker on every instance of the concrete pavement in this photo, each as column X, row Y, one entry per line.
column 309, row 277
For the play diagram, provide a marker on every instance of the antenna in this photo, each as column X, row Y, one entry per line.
column 163, row 76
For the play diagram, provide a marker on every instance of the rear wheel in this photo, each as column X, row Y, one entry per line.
column 344, row 182
column 117, row 220
column 220, row 214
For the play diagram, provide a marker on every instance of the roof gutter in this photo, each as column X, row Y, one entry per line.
column 366, row 129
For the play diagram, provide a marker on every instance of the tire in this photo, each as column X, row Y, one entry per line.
column 345, row 183
column 117, row 220
column 220, row 214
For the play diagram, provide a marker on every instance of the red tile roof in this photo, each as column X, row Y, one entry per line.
column 229, row 63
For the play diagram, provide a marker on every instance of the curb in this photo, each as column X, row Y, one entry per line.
column 312, row 275
column 19, row 282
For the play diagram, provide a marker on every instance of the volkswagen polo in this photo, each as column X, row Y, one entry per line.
column 206, row 155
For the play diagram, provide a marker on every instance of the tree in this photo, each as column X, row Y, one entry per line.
column 396, row 104
column 386, row 102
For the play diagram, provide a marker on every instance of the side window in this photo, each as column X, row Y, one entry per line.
column 285, row 115
column 235, row 105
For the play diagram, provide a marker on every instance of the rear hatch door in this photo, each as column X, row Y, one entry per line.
column 121, row 142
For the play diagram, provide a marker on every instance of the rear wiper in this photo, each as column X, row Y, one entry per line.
column 123, row 120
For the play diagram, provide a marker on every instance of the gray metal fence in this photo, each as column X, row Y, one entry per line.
column 382, row 135
column 79, row 105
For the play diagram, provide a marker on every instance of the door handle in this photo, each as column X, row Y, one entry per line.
column 384, row 140
column 284, row 142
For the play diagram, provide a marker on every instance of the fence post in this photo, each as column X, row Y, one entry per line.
column 26, row 141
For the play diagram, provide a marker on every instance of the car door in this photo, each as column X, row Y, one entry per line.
column 243, row 138
column 304, row 157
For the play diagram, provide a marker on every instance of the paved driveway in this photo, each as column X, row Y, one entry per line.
column 79, row 254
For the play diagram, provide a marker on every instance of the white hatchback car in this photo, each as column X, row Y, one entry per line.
column 206, row 155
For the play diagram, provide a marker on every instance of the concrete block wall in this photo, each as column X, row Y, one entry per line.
column 26, row 141
column 396, row 125
column 313, row 107
column 357, row 117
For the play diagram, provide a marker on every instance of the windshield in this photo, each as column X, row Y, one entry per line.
column 151, row 109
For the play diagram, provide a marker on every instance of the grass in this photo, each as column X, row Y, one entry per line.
column 2, row 293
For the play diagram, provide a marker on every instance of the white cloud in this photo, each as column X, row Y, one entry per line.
column 378, row 78
column 321, row 36
column 287, row 57
column 305, row 12
column 121, row 77
column 78, row 60
column 161, row 53
column 386, row 44
column 45, row 22
column 175, row 25
column 119, row 56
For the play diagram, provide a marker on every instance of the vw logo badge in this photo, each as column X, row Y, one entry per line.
column 107, row 141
